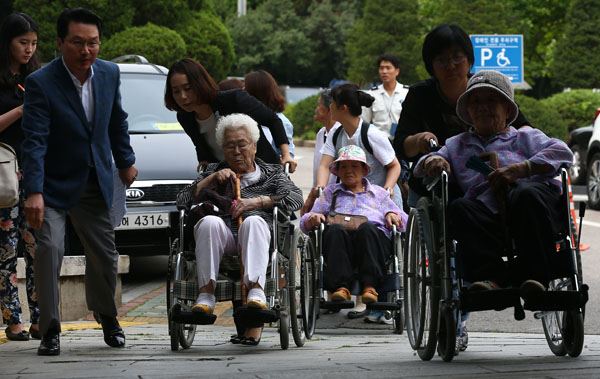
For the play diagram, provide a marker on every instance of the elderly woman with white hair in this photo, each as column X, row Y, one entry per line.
column 263, row 186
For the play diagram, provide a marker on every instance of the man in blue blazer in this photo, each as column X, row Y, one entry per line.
column 74, row 127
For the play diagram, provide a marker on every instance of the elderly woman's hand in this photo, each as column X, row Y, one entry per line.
column 240, row 206
column 435, row 164
column 222, row 176
column 504, row 176
column 310, row 201
column 288, row 159
column 392, row 218
column 314, row 220
column 422, row 140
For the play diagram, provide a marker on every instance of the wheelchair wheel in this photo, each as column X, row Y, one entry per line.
column 284, row 320
column 447, row 334
column 295, row 283
column 179, row 269
column 564, row 331
column 309, row 290
column 421, row 295
column 398, row 315
column 573, row 332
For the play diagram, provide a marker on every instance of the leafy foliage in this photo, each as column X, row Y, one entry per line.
column 116, row 16
column 542, row 116
column 271, row 38
column 575, row 62
column 159, row 44
column 385, row 27
column 301, row 115
column 576, row 107
column 209, row 42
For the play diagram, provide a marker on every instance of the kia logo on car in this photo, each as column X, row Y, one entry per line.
column 134, row 194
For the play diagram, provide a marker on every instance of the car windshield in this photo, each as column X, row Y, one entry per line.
column 143, row 99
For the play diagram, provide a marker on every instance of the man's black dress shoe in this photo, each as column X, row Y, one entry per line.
column 50, row 344
column 113, row 334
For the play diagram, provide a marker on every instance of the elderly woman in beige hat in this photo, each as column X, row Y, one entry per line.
column 365, row 249
column 528, row 160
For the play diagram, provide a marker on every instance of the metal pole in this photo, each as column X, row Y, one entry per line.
column 241, row 8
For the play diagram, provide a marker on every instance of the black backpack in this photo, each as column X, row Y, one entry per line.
column 363, row 137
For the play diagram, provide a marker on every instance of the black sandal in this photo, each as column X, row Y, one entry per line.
column 21, row 336
column 251, row 341
column 235, row 339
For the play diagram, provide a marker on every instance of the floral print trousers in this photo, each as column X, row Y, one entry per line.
column 14, row 229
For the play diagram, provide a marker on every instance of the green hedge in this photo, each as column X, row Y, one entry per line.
column 301, row 115
column 576, row 107
column 158, row 44
column 542, row 116
column 560, row 113
column 209, row 42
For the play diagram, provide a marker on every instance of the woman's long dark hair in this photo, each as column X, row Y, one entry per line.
column 263, row 86
column 15, row 25
column 202, row 83
column 350, row 95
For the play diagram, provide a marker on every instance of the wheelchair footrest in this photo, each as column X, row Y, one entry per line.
column 336, row 305
column 489, row 300
column 384, row 306
column 182, row 316
column 252, row 317
column 558, row 300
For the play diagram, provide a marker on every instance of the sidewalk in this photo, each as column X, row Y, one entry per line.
column 341, row 348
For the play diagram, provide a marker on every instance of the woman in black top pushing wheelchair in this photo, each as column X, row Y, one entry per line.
column 519, row 197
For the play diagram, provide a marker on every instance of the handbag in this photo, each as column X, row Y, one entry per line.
column 347, row 221
column 9, row 177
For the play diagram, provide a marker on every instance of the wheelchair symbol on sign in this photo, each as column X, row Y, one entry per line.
column 501, row 59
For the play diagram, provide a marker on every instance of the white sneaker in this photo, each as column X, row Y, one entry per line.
column 256, row 299
column 379, row 317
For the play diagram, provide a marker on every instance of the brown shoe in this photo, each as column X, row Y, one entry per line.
column 341, row 294
column 369, row 295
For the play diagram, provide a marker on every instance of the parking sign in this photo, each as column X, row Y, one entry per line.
column 500, row 52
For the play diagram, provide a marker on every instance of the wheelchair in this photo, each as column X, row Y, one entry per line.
column 436, row 295
column 282, row 289
column 313, row 299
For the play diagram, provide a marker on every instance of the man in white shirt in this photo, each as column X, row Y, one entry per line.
column 385, row 111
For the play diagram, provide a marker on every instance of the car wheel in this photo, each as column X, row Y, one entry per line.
column 577, row 170
column 593, row 182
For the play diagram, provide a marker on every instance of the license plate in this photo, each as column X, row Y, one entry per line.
column 144, row 221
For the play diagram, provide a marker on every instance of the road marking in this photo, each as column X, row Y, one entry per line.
column 591, row 223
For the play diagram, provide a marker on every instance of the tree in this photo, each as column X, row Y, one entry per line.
column 576, row 55
column 474, row 16
column 209, row 42
column 271, row 38
column 159, row 44
column 327, row 27
column 385, row 27
column 116, row 16
column 160, row 12
column 541, row 22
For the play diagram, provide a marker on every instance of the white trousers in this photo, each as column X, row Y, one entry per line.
column 214, row 239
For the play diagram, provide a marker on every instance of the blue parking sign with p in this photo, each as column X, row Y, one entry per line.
column 500, row 52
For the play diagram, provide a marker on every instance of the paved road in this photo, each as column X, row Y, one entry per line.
column 339, row 353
